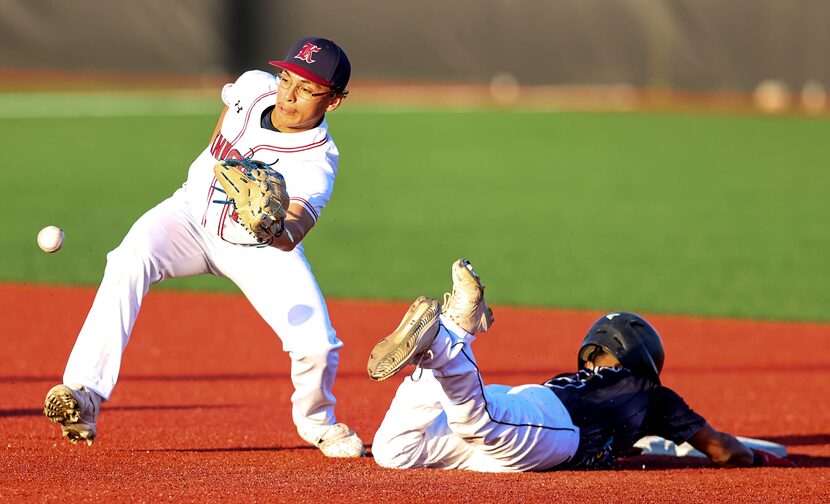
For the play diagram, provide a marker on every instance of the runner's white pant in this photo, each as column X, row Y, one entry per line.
column 445, row 417
column 168, row 242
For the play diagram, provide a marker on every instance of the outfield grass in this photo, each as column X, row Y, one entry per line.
column 683, row 214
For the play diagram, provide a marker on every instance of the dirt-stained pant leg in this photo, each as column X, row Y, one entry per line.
column 165, row 242
column 282, row 288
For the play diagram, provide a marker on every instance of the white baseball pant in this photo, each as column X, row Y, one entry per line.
column 168, row 242
column 444, row 417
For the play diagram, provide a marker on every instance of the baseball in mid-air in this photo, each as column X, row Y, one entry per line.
column 50, row 239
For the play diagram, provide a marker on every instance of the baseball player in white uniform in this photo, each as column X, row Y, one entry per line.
column 278, row 120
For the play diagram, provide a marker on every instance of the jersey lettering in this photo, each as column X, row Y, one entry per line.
column 223, row 149
column 219, row 146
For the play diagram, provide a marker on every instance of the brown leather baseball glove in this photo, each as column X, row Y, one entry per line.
column 259, row 195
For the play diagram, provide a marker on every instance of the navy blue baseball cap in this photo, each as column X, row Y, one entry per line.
column 318, row 60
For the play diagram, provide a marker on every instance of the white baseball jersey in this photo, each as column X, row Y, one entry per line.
column 307, row 160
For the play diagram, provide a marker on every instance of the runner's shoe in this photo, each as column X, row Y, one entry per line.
column 408, row 342
column 466, row 306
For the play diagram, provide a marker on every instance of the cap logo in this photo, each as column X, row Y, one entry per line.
column 307, row 52
column 611, row 316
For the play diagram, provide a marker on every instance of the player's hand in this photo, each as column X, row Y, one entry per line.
column 767, row 459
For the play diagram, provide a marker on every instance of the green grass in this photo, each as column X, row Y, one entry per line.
column 705, row 215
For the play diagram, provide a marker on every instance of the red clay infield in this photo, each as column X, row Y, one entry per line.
column 202, row 408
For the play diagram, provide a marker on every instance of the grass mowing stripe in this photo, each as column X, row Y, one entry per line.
column 669, row 213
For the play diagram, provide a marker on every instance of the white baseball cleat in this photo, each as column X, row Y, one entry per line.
column 466, row 306
column 339, row 441
column 410, row 340
column 76, row 409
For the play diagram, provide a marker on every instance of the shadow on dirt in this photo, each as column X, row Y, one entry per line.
column 24, row 412
column 664, row 463
column 229, row 450
column 810, row 461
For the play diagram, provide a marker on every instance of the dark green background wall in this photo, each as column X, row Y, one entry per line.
column 681, row 44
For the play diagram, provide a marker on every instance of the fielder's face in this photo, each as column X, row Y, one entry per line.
column 293, row 113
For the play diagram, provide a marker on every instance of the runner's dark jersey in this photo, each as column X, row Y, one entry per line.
column 614, row 408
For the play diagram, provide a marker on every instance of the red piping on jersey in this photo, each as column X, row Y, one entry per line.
column 248, row 114
column 215, row 141
column 291, row 149
column 220, row 147
column 216, row 146
column 269, row 147
column 306, row 204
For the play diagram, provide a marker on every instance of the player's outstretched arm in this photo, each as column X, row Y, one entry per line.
column 723, row 449
column 298, row 222
column 726, row 450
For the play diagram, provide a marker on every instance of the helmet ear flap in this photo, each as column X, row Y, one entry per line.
column 651, row 354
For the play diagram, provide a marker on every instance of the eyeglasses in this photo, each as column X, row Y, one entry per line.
column 302, row 90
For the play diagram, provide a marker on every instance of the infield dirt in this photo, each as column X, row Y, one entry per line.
column 202, row 409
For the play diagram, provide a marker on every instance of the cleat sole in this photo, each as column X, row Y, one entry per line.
column 395, row 351
column 62, row 408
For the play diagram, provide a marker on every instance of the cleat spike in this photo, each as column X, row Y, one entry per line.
column 76, row 409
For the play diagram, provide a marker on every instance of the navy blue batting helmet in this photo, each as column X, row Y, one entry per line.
column 630, row 339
